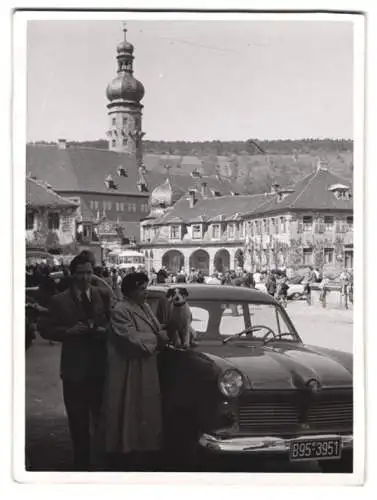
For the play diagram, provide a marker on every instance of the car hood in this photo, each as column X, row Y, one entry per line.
column 288, row 366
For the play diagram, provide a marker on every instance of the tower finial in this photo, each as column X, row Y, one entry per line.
column 124, row 28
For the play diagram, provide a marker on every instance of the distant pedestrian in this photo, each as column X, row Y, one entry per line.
column 162, row 276
column 271, row 284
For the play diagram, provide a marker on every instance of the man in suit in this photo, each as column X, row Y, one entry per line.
column 78, row 318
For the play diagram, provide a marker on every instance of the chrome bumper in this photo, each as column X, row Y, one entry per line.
column 265, row 444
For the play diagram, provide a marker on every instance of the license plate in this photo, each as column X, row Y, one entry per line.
column 315, row 449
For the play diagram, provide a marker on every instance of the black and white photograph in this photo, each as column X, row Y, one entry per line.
column 190, row 188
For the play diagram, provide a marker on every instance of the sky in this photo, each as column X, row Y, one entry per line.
column 204, row 80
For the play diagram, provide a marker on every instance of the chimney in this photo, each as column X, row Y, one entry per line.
column 192, row 198
column 62, row 143
column 203, row 189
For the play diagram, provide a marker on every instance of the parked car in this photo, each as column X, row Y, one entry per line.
column 296, row 290
column 250, row 385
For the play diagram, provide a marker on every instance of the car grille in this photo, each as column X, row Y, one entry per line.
column 329, row 414
column 284, row 417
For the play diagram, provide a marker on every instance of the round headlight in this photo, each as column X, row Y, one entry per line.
column 231, row 383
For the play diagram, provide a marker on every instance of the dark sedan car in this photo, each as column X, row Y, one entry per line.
column 250, row 385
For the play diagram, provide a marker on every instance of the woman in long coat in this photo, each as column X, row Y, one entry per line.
column 132, row 407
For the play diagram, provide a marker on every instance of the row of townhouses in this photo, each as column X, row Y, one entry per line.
column 310, row 223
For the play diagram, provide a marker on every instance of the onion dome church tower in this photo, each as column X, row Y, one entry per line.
column 125, row 111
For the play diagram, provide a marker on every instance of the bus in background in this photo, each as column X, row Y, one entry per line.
column 126, row 259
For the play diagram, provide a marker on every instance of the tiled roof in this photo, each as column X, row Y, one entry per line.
column 182, row 183
column 81, row 169
column 312, row 193
column 212, row 209
column 38, row 195
column 76, row 169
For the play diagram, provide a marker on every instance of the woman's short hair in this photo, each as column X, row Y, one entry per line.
column 131, row 282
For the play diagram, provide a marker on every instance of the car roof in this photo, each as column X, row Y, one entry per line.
column 216, row 292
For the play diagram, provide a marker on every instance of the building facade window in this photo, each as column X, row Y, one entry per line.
column 53, row 220
column 117, row 206
column 113, row 142
column 30, row 219
column 124, row 120
column 113, row 120
column 196, row 231
column 87, row 232
column 146, row 234
column 216, row 231
column 242, row 230
column 307, row 221
column 329, row 223
column 124, row 141
column 265, row 226
column 231, row 231
column 274, row 226
column 328, row 256
column 349, row 223
column 283, row 225
column 175, row 232
column 308, row 256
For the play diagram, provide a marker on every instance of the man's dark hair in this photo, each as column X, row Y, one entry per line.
column 89, row 256
column 80, row 260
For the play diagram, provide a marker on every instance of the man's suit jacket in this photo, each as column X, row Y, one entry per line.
column 83, row 356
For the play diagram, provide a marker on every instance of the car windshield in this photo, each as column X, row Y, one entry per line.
column 214, row 320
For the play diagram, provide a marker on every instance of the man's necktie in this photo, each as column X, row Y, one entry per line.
column 87, row 305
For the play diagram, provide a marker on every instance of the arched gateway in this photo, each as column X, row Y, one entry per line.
column 221, row 261
column 173, row 260
column 200, row 260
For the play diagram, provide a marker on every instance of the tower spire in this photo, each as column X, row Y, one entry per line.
column 125, row 110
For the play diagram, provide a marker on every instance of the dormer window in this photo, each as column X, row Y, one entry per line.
column 122, row 171
column 283, row 193
column 109, row 183
column 216, row 231
column 195, row 173
column 341, row 191
column 231, row 231
column 175, row 232
column 196, row 231
column 342, row 195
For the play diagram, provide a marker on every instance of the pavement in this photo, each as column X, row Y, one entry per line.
column 47, row 437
